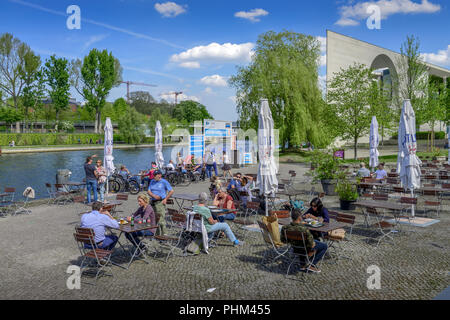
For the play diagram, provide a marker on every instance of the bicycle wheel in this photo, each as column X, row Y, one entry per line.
column 114, row 186
column 134, row 187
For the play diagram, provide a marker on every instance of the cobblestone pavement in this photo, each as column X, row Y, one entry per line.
column 36, row 250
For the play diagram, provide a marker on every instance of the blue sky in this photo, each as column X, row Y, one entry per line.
column 195, row 46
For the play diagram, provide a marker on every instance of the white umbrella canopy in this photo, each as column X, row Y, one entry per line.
column 108, row 152
column 408, row 164
column 159, row 157
column 267, row 179
column 374, row 142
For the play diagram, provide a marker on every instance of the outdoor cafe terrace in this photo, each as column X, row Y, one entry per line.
column 40, row 247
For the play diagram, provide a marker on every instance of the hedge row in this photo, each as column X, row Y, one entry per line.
column 48, row 139
column 51, row 139
column 438, row 135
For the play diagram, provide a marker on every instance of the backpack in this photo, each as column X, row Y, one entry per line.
column 234, row 194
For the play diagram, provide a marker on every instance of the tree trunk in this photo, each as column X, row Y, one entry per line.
column 382, row 136
column 356, row 148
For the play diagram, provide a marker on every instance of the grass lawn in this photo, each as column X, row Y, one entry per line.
column 305, row 157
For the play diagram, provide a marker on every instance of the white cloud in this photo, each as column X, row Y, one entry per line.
column 92, row 40
column 252, row 15
column 182, row 97
column 350, row 15
column 215, row 81
column 170, row 9
column 323, row 43
column 233, row 98
column 323, row 60
column 441, row 58
column 215, row 52
column 190, row 65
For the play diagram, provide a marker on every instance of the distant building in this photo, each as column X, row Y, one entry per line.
column 73, row 103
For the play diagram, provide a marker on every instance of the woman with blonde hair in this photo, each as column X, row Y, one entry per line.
column 144, row 212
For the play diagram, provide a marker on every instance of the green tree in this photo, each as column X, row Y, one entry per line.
column 131, row 128
column 284, row 70
column 189, row 111
column 347, row 111
column 94, row 78
column 34, row 87
column 57, row 75
column 411, row 79
column 12, row 61
column 380, row 106
column 10, row 115
column 436, row 108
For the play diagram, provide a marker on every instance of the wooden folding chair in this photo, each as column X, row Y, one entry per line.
column 272, row 252
column 432, row 206
column 171, row 243
column 91, row 255
column 299, row 253
column 384, row 227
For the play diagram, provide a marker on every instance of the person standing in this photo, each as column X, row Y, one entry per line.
column 160, row 191
column 209, row 163
column 101, row 179
column 216, row 172
column 91, row 178
column 226, row 165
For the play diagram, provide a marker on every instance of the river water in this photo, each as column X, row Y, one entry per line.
column 35, row 169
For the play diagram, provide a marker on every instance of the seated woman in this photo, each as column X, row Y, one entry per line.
column 124, row 172
column 212, row 225
column 144, row 213
column 224, row 201
column 245, row 185
column 317, row 212
column 215, row 186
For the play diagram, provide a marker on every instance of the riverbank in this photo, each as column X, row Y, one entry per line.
column 39, row 149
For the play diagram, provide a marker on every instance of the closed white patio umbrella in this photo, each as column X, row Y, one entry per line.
column 159, row 157
column 374, row 142
column 108, row 152
column 267, row 179
column 408, row 164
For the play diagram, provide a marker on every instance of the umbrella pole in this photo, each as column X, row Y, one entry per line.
column 412, row 206
column 267, row 207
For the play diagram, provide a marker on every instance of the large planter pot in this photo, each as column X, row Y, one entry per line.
column 347, row 204
column 328, row 187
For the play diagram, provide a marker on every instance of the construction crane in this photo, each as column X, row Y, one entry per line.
column 176, row 95
column 128, row 83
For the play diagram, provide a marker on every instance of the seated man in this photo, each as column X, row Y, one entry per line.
column 171, row 166
column 224, row 201
column 212, row 225
column 312, row 246
column 98, row 220
column 235, row 183
column 363, row 172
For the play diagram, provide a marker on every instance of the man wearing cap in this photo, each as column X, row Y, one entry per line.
column 160, row 191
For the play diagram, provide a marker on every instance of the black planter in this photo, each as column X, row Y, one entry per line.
column 328, row 187
column 347, row 204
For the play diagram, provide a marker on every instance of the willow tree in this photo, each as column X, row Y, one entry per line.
column 284, row 70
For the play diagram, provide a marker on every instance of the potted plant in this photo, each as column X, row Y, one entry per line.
column 347, row 193
column 325, row 172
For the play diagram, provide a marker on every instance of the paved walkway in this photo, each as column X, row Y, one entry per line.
column 37, row 249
